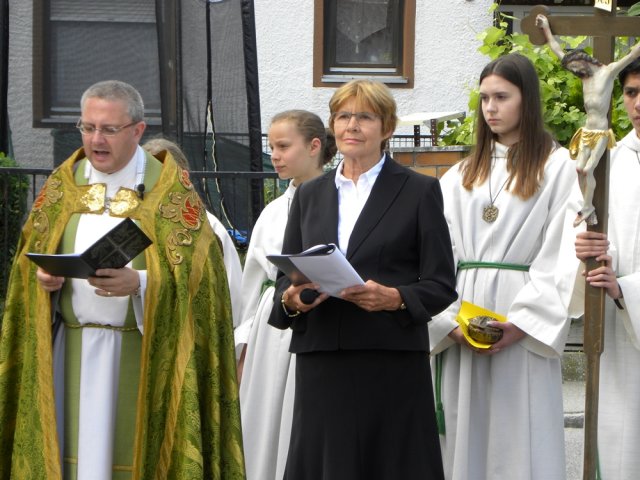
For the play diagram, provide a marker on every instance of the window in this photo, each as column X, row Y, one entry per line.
column 80, row 42
column 364, row 38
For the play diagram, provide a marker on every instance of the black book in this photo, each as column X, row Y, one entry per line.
column 114, row 250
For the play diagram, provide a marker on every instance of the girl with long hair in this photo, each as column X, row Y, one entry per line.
column 509, row 207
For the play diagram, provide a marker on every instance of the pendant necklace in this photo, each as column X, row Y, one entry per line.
column 490, row 212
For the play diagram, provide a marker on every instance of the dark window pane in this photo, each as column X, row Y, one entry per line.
column 104, row 11
column 86, row 41
column 110, row 51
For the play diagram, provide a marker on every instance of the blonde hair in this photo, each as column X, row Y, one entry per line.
column 310, row 126
column 157, row 145
column 372, row 94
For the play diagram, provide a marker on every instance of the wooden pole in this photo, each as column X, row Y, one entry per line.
column 604, row 27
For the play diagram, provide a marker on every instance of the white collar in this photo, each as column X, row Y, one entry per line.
column 369, row 176
column 131, row 175
column 631, row 141
column 500, row 150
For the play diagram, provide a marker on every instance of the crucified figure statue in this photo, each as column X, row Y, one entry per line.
column 589, row 142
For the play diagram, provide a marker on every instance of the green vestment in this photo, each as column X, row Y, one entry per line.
column 187, row 424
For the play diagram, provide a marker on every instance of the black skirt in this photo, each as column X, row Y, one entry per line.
column 364, row 415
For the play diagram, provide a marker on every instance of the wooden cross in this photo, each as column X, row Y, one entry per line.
column 604, row 26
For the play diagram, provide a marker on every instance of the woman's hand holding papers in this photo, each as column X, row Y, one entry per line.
column 373, row 297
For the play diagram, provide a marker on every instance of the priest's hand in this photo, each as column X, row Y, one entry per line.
column 604, row 277
column 591, row 244
column 116, row 282
column 48, row 282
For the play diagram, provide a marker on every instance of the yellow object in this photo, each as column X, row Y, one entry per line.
column 467, row 312
column 589, row 138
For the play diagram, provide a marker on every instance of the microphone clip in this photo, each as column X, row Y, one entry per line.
column 140, row 191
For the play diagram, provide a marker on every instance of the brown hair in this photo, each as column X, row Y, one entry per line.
column 579, row 55
column 310, row 126
column 369, row 93
column 525, row 159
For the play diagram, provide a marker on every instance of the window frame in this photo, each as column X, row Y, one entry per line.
column 404, row 79
column 43, row 109
column 41, row 71
column 565, row 3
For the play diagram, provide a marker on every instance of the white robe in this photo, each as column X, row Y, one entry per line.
column 267, row 386
column 100, row 356
column 619, row 404
column 232, row 266
column 504, row 413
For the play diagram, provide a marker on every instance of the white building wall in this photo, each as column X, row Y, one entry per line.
column 447, row 63
column 33, row 147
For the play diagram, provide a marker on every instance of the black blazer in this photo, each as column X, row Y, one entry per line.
column 400, row 240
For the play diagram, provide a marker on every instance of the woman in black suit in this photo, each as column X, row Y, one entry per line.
column 363, row 404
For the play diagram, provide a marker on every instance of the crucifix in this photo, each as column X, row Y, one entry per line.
column 604, row 26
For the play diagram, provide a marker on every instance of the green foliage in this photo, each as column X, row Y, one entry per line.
column 634, row 10
column 561, row 91
column 13, row 208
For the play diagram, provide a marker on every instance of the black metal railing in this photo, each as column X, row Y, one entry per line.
column 396, row 141
column 236, row 198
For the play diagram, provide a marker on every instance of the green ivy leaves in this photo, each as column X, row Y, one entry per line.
column 560, row 90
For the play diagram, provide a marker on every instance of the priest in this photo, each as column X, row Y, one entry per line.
column 131, row 373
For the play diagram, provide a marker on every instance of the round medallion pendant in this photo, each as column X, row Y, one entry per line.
column 490, row 213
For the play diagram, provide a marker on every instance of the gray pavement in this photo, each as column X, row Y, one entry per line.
column 573, row 373
column 573, row 398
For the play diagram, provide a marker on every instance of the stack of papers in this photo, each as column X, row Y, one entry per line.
column 324, row 265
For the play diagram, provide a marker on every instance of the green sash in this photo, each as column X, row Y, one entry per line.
column 439, row 358
column 266, row 284
column 497, row 265
column 131, row 345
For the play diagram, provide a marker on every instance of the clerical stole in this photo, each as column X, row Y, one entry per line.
column 126, row 388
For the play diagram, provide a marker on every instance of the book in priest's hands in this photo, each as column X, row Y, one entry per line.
column 324, row 265
column 115, row 249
